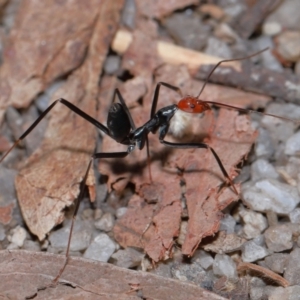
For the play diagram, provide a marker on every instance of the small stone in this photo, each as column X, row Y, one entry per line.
column 272, row 28
column 106, row 223
column 226, row 33
column 127, row 258
column 295, row 216
column 182, row 232
column 101, row 248
column 218, row 48
column 288, row 293
column 225, row 243
column 255, row 223
column 292, row 271
column 187, row 30
column 204, row 258
column 267, row 59
column 2, row 233
column 88, row 214
column 288, row 45
column 261, row 292
column 18, row 236
column 98, row 214
column 292, row 146
column 261, row 168
column 121, row 211
column 224, row 266
column 227, row 224
column 279, row 238
column 252, row 252
column 81, row 236
column 188, row 272
column 162, row 269
column 31, row 246
column 277, row 262
column 264, row 145
column 112, row 64
column 270, row 194
column 128, row 14
column 12, row 246
column 286, row 14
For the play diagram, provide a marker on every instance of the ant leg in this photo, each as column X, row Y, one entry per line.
column 122, row 101
column 153, row 110
column 205, row 146
column 148, row 158
column 44, row 113
column 79, row 199
column 156, row 94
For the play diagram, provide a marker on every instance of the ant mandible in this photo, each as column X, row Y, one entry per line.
column 121, row 128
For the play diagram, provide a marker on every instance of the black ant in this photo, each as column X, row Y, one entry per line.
column 121, row 128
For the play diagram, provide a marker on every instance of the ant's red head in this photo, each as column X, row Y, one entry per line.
column 193, row 105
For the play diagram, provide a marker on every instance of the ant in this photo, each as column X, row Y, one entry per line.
column 121, row 128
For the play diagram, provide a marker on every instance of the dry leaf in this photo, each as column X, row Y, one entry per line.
column 50, row 179
column 230, row 135
column 22, row 272
column 158, row 9
column 42, row 47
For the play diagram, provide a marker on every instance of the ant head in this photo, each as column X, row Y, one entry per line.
column 193, row 105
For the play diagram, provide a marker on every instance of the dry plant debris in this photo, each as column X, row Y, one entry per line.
column 88, row 279
column 263, row 273
column 65, row 151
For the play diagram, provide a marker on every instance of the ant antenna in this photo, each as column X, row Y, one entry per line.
column 227, row 60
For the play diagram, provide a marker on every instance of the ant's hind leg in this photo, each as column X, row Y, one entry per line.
column 205, row 146
column 79, row 199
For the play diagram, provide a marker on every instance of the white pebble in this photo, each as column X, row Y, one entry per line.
column 271, row 28
column 252, row 252
column 270, row 195
column 101, row 248
column 295, row 216
column 254, row 223
column 292, row 146
column 18, row 236
column 224, row 266
column 261, row 168
column 106, row 223
column 81, row 237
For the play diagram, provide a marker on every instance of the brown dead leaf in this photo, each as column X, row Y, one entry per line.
column 151, row 225
column 50, row 179
column 158, row 9
column 229, row 134
column 48, row 40
column 204, row 200
column 22, row 272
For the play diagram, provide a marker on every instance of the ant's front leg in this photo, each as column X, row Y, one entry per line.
column 156, row 95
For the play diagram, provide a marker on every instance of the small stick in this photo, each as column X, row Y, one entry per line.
column 265, row 273
column 173, row 54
